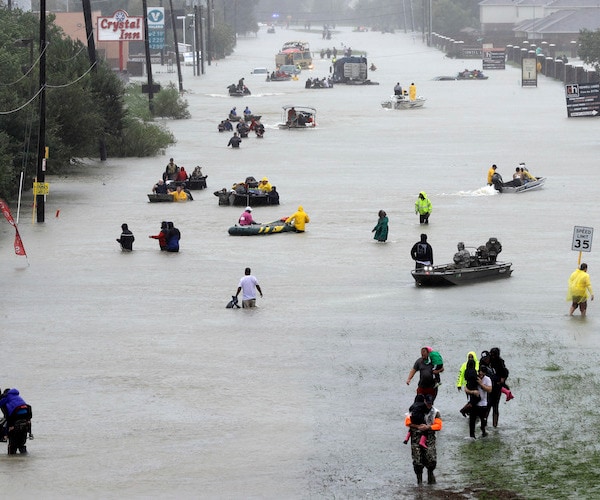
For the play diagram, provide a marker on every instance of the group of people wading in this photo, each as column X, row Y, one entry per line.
column 483, row 381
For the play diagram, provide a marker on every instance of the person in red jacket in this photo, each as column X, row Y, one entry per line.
column 162, row 236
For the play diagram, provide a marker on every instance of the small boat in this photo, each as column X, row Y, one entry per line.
column 234, row 91
column 403, row 102
column 298, row 117
column 471, row 75
column 278, row 226
column 516, row 186
column 482, row 266
column 166, row 198
column 196, row 182
column 447, row 275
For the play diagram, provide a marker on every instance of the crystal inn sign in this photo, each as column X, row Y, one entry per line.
column 120, row 27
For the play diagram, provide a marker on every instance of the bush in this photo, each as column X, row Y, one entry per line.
column 142, row 139
column 168, row 103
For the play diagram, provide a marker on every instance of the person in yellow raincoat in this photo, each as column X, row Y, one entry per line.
column 423, row 208
column 580, row 287
column 412, row 92
column 491, row 173
column 298, row 219
column 265, row 185
column 179, row 194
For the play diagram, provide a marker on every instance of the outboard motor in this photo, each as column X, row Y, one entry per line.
column 494, row 247
column 497, row 182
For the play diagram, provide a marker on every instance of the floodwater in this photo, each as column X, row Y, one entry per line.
column 144, row 385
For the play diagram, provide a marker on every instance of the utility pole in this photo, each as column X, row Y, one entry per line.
column 202, row 48
column 41, row 159
column 148, row 59
column 209, row 29
column 174, row 26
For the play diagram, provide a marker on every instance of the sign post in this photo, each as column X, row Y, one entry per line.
column 582, row 240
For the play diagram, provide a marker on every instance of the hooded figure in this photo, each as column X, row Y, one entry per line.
column 422, row 253
column 423, row 208
column 173, row 237
column 460, row 381
column 298, row 219
column 126, row 240
column 265, row 185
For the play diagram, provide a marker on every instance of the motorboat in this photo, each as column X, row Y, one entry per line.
column 278, row 226
column 235, row 91
column 516, row 185
column 403, row 102
column 298, row 117
column 247, row 194
column 480, row 266
column 447, row 275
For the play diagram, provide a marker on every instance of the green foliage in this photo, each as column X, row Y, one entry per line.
column 223, row 40
column 589, row 47
column 84, row 105
column 168, row 103
column 141, row 139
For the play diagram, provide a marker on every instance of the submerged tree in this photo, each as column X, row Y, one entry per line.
column 589, row 47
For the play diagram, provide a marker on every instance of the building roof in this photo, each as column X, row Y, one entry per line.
column 564, row 21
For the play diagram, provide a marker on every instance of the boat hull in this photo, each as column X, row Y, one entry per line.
column 275, row 227
column 528, row 186
column 446, row 275
column 403, row 103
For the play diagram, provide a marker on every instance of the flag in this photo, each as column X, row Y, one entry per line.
column 19, row 249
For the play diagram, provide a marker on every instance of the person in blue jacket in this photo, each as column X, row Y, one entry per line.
column 173, row 237
column 18, row 420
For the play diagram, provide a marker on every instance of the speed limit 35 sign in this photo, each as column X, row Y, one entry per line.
column 582, row 239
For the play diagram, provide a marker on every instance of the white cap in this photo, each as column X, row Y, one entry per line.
column 248, row 209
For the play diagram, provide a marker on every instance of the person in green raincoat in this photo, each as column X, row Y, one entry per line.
column 381, row 229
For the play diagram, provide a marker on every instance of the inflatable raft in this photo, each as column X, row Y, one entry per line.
column 278, row 226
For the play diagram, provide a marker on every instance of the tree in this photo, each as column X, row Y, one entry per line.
column 589, row 48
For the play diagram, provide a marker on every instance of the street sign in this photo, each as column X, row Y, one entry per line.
column 146, row 88
column 41, row 188
column 583, row 99
column 582, row 239
column 494, row 59
column 528, row 72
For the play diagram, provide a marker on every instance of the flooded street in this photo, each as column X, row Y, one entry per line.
column 144, row 386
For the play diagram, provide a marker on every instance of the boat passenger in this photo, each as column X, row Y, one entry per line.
column 526, row 176
column 246, row 218
column 197, row 173
column 398, row 89
column 412, row 92
column 247, row 111
column 299, row 219
column 308, row 83
column 517, row 174
column 273, row 196
column 490, row 174
column 160, row 187
column 462, row 258
column 179, row 194
column 182, row 175
column 170, row 171
column 265, row 185
column 291, row 116
column 233, row 112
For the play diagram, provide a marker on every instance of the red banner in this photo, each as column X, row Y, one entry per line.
column 19, row 249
